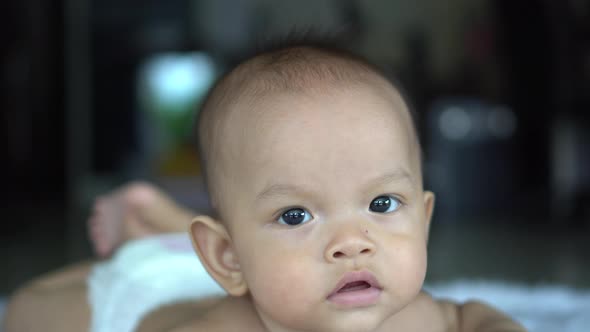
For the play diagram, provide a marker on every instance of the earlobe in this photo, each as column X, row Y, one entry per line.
column 428, row 209
column 214, row 248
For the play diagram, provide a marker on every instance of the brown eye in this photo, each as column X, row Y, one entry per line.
column 384, row 204
column 294, row 217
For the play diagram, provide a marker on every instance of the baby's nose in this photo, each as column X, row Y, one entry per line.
column 349, row 247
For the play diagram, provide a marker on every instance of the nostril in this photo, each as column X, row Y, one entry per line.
column 340, row 254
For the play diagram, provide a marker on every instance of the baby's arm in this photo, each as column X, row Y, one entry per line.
column 479, row 317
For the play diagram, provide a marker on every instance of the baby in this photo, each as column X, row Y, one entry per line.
column 320, row 219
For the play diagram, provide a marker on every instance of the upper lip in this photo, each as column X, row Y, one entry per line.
column 354, row 276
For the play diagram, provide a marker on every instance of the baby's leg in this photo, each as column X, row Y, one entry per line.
column 133, row 211
column 58, row 302
column 53, row 302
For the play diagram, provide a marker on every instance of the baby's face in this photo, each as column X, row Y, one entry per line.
column 323, row 201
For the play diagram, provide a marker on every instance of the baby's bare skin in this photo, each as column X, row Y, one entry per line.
column 133, row 211
column 58, row 300
column 443, row 316
column 325, row 158
column 245, row 318
column 54, row 297
column 341, row 163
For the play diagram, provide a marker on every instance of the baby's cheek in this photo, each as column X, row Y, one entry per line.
column 412, row 261
column 282, row 290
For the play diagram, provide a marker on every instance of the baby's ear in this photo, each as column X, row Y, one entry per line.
column 428, row 209
column 214, row 247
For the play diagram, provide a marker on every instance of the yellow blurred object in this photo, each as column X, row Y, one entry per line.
column 180, row 161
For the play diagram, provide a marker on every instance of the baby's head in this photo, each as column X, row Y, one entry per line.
column 313, row 169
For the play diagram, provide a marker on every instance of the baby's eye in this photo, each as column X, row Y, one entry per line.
column 385, row 204
column 294, row 217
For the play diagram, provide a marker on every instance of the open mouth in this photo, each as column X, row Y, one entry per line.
column 356, row 289
column 354, row 286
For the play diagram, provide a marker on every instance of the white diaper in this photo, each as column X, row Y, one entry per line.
column 145, row 275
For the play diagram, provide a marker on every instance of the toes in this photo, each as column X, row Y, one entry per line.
column 112, row 214
column 100, row 250
column 100, row 203
column 101, row 246
column 91, row 228
column 98, row 238
column 138, row 194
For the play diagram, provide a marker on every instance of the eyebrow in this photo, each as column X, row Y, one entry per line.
column 396, row 175
column 278, row 189
column 283, row 189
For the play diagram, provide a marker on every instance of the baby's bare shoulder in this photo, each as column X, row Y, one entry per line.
column 177, row 314
column 231, row 314
column 197, row 326
column 476, row 316
column 423, row 314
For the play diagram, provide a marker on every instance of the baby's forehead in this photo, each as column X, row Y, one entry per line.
column 322, row 99
column 374, row 97
column 261, row 111
column 367, row 113
column 297, row 71
column 243, row 96
column 320, row 142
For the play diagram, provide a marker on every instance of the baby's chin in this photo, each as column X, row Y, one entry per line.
column 368, row 319
column 354, row 323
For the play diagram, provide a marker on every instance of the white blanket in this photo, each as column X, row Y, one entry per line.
column 541, row 308
column 153, row 272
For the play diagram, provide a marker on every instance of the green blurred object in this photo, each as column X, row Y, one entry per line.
column 172, row 86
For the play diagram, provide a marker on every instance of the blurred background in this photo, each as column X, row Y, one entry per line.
column 97, row 93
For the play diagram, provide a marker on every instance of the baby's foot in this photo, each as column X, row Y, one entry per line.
column 119, row 216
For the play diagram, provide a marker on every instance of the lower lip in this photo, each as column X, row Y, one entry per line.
column 359, row 298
